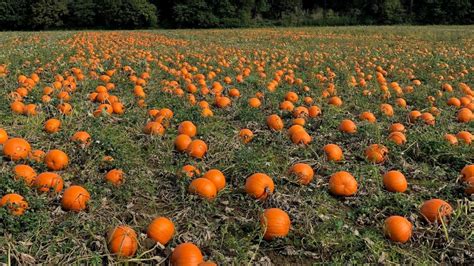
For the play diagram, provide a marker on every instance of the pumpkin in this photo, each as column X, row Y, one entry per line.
column 275, row 223
column 115, row 177
column 342, row 184
column 336, row 101
column 30, row 110
column 295, row 128
column 122, row 241
column 394, row 181
column 368, row 116
column 348, row 126
column 207, row 263
column 376, row 153
column 301, row 137
column 82, row 137
column 246, row 135
column 47, row 181
column 464, row 115
column 206, row 112
column 469, row 188
column 397, row 127
column 398, row 229
column 197, row 149
column 154, row 128
column 14, row 203
column 216, row 177
column 467, row 171
column 333, row 152
column 36, row 155
column 303, row 172
column 254, row 102
column 52, row 125
column 182, row 142
column 300, row 111
column 203, row 187
column 428, row 118
column 463, row 136
column 291, row 96
column 17, row 107
column 189, row 171
column 25, row 173
column 299, row 121
column 223, row 102
column 186, row 254
column 413, row 116
column 397, row 137
column 387, row 109
column 274, row 122
column 16, row 149
column 56, row 160
column 75, row 198
column 161, row 230
column 187, row 128
column 259, row 186
column 286, row 106
column 314, row 111
column 434, row 210
column 451, row 139
column 3, row 136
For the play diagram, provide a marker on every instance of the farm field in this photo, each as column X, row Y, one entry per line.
column 300, row 144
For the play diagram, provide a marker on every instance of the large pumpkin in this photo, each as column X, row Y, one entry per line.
column 275, row 223
column 122, row 241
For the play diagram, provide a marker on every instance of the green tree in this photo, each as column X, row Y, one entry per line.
column 391, row 12
column 47, row 14
column 82, row 13
column 14, row 14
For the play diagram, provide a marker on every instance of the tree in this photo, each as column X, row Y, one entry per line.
column 14, row 14
column 82, row 13
column 48, row 14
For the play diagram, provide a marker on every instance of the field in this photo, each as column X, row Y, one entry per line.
column 114, row 84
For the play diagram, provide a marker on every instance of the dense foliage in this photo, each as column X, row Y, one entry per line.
column 129, row 14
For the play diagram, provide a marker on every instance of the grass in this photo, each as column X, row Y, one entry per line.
column 324, row 228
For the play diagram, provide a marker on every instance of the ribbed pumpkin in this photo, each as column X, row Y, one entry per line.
column 435, row 209
column 52, row 125
column 216, row 177
column 376, row 153
column 197, row 148
column 303, row 172
column 187, row 128
column 274, row 122
column 16, row 149
column 186, row 254
column 14, row 203
column 275, row 223
column 246, row 135
column 115, row 177
column 398, row 229
column 398, row 138
column 333, row 152
column 161, row 230
column 3, row 136
column 203, row 187
column 348, row 126
column 122, row 241
column 259, row 186
column 342, row 184
column 467, row 171
column 25, row 173
column 75, row 198
column 182, row 141
column 394, row 181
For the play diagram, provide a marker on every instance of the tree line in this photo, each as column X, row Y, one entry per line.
column 134, row 14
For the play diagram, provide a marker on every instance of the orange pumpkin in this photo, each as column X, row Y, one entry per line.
column 186, row 254
column 301, row 137
column 16, row 149
column 467, row 171
column 216, row 177
column 275, row 223
column 182, row 142
column 154, row 128
column 115, row 177
column 397, row 137
column 435, row 210
column 52, row 125
column 451, row 139
column 259, row 186
column 203, row 187
column 465, row 115
column 274, row 122
column 122, row 241
column 398, row 229
column 82, row 137
column 394, row 181
column 342, row 184
column 254, row 102
column 187, row 128
column 189, row 171
column 25, row 173
column 47, row 181
column 197, row 149
column 3, row 136
column 56, row 160
column 376, row 153
column 348, row 126
column 397, row 127
column 333, row 152
column 368, row 116
column 14, row 203
column 246, row 135
column 303, row 172
column 75, row 198
column 465, row 137
column 161, row 230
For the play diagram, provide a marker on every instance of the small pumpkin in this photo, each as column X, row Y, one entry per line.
column 115, row 177
column 348, row 126
column 398, row 228
column 397, row 127
column 154, row 128
column 25, row 172
column 189, row 171
column 216, row 177
column 203, row 187
column 161, row 230
column 246, row 135
column 187, row 128
column 82, row 137
column 197, row 148
column 47, row 181
column 376, row 153
column 122, row 241
column 182, row 142
column 395, row 181
column 259, row 186
column 342, row 183
column 397, row 138
column 56, row 160
column 3, row 136
column 75, row 198
column 186, row 254
column 16, row 149
column 275, row 223
column 333, row 152
column 274, row 122
column 467, row 171
column 368, row 116
column 14, row 203
column 303, row 172
column 434, row 210
column 301, row 137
